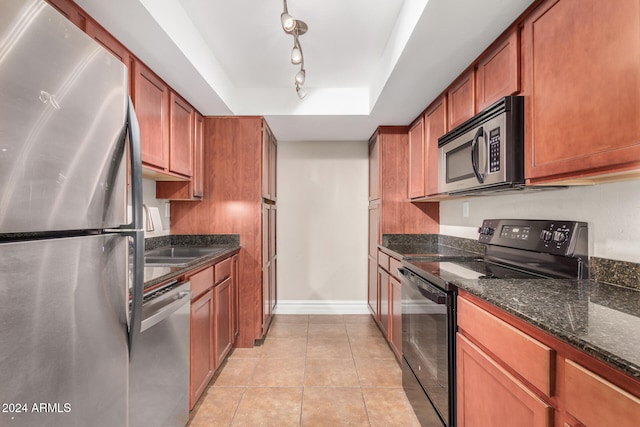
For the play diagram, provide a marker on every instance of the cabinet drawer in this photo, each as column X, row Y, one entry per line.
column 222, row 270
column 594, row 401
column 383, row 260
column 394, row 265
column 201, row 282
column 526, row 356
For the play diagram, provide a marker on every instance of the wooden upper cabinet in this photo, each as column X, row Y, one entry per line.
column 417, row 159
column 461, row 99
column 197, row 179
column 151, row 100
column 581, row 63
column 180, row 135
column 71, row 11
column 435, row 125
column 374, row 167
column 498, row 71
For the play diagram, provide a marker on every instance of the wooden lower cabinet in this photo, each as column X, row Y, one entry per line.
column 383, row 282
column 223, row 320
column 202, row 360
column 395, row 317
column 594, row 401
column 487, row 395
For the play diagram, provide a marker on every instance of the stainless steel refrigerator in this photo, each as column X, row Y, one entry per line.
column 70, row 260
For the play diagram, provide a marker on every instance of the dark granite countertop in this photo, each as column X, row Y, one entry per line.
column 229, row 243
column 601, row 319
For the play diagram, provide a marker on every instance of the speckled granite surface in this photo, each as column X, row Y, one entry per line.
column 601, row 319
column 230, row 243
column 408, row 245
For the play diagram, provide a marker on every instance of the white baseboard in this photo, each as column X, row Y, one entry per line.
column 321, row 307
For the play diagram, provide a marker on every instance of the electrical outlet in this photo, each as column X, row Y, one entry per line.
column 465, row 209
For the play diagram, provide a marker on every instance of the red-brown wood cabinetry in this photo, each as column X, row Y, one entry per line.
column 417, row 159
column 181, row 135
column 461, row 99
column 202, row 365
column 488, row 395
column 435, row 122
column 269, row 164
column 582, row 87
column 233, row 204
column 151, row 100
column 223, row 320
column 498, row 71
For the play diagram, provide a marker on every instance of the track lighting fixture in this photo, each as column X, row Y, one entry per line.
column 296, row 28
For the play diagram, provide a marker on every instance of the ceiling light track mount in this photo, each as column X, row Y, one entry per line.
column 296, row 28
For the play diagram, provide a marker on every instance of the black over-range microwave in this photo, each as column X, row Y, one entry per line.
column 485, row 153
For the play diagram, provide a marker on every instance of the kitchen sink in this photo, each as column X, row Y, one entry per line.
column 177, row 256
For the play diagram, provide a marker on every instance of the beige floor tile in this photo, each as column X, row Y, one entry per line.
column 284, row 347
column 379, row 372
column 358, row 318
column 363, row 329
column 216, row 407
column 389, row 407
column 288, row 330
column 235, row 372
column 272, row 406
column 290, row 318
column 331, row 373
column 328, row 348
column 246, row 353
column 278, row 373
column 333, row 406
column 319, row 330
column 326, row 318
column 370, row 347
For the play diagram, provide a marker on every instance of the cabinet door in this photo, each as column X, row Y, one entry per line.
column 372, row 293
column 236, row 296
column 374, row 228
column 151, row 97
column 383, row 286
column 273, row 168
column 273, row 260
column 417, row 159
column 461, row 99
column 223, row 321
column 269, row 163
column 374, row 168
column 395, row 316
column 498, row 72
column 180, row 135
column 487, row 395
column 435, row 127
column 202, row 360
column 583, row 88
column 197, row 178
column 597, row 402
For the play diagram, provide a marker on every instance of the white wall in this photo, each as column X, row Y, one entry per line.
column 611, row 210
column 322, row 227
column 149, row 199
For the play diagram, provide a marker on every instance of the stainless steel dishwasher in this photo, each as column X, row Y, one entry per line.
column 159, row 368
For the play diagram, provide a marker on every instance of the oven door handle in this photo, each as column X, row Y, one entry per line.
column 474, row 155
column 437, row 298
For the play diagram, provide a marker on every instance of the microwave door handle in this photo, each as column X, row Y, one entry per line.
column 474, row 155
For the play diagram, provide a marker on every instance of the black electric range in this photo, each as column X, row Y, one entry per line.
column 515, row 249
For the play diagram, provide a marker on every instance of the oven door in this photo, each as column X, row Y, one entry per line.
column 428, row 330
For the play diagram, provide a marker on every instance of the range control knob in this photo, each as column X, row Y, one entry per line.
column 546, row 235
column 559, row 237
column 486, row 231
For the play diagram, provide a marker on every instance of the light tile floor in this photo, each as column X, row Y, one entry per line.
column 310, row 371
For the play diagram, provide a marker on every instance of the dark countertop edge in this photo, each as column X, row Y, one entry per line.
column 195, row 265
column 579, row 344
